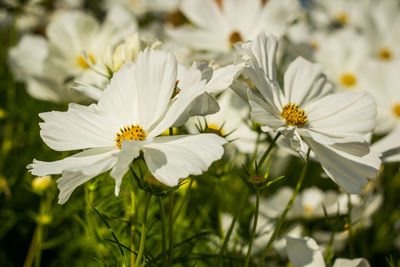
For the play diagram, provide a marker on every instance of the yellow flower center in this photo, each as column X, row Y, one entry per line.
column 385, row 54
column 82, row 62
column 215, row 129
column 133, row 132
column 294, row 115
column 348, row 79
column 396, row 110
column 235, row 37
column 308, row 209
column 342, row 18
column 314, row 45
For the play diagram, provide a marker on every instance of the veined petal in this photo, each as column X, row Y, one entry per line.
column 346, row 116
column 263, row 112
column 349, row 171
column 140, row 92
column 223, row 77
column 304, row 82
column 170, row 158
column 234, row 10
column 304, row 252
column 76, row 169
column 191, row 86
column 80, row 127
column 129, row 151
column 260, row 56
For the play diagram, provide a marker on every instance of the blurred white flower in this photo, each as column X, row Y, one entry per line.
column 75, row 41
column 389, row 146
column 333, row 126
column 135, row 108
column 220, row 24
column 306, row 252
column 384, row 85
column 344, row 54
column 339, row 12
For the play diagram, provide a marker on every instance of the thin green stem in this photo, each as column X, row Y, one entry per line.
column 266, row 153
column 349, row 207
column 183, row 200
column 163, row 232
column 327, row 254
column 132, row 220
column 143, row 232
column 171, row 228
column 229, row 233
column 288, row 207
column 253, row 231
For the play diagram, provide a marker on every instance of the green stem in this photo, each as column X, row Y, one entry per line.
column 132, row 219
column 143, row 232
column 171, row 227
column 327, row 255
column 288, row 207
column 229, row 233
column 253, row 231
column 349, row 207
column 163, row 231
column 266, row 153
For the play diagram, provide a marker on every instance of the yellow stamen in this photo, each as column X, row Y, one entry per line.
column 235, row 37
column 342, row 18
column 133, row 132
column 82, row 62
column 294, row 115
column 314, row 45
column 396, row 110
column 385, row 53
column 348, row 79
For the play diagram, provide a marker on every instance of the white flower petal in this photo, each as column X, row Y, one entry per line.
column 348, row 171
column 129, row 151
column 304, row 82
column 206, row 13
column 360, row 262
column 79, row 128
column 389, row 146
column 191, row 86
column 170, row 158
column 346, row 116
column 139, row 93
column 222, row 78
column 304, row 252
column 263, row 112
column 76, row 169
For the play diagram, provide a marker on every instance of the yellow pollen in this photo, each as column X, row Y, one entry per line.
column 348, row 79
column 235, row 37
column 82, row 62
column 133, row 132
column 396, row 110
column 294, row 115
column 342, row 17
column 385, row 54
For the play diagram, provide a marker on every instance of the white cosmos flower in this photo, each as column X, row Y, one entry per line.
column 389, row 146
column 333, row 126
column 135, row 108
column 219, row 24
column 306, row 252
